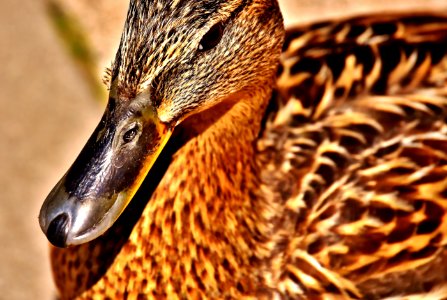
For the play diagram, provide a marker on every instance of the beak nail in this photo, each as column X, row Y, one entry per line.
column 58, row 230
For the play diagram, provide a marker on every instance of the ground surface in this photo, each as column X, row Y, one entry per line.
column 48, row 111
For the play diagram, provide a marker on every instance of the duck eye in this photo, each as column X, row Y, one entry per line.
column 130, row 134
column 212, row 37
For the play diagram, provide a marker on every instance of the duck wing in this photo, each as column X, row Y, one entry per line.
column 355, row 147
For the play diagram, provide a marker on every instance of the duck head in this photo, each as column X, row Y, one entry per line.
column 176, row 58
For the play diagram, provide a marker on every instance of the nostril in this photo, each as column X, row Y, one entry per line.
column 58, row 230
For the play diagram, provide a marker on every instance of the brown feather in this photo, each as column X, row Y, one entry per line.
column 335, row 189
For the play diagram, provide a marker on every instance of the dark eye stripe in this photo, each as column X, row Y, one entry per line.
column 212, row 37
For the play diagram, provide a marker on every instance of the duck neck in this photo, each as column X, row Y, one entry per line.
column 208, row 210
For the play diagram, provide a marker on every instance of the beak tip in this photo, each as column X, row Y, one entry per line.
column 58, row 229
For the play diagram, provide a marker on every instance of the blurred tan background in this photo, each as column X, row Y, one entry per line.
column 51, row 58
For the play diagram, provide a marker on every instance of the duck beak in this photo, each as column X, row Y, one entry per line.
column 101, row 182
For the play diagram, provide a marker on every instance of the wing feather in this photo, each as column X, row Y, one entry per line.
column 359, row 137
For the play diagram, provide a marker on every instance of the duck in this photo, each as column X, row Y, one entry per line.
column 238, row 160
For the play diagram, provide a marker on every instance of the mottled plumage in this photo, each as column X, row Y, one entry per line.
column 329, row 184
column 364, row 154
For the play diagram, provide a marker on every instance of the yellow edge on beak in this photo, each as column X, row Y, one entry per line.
column 165, row 134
